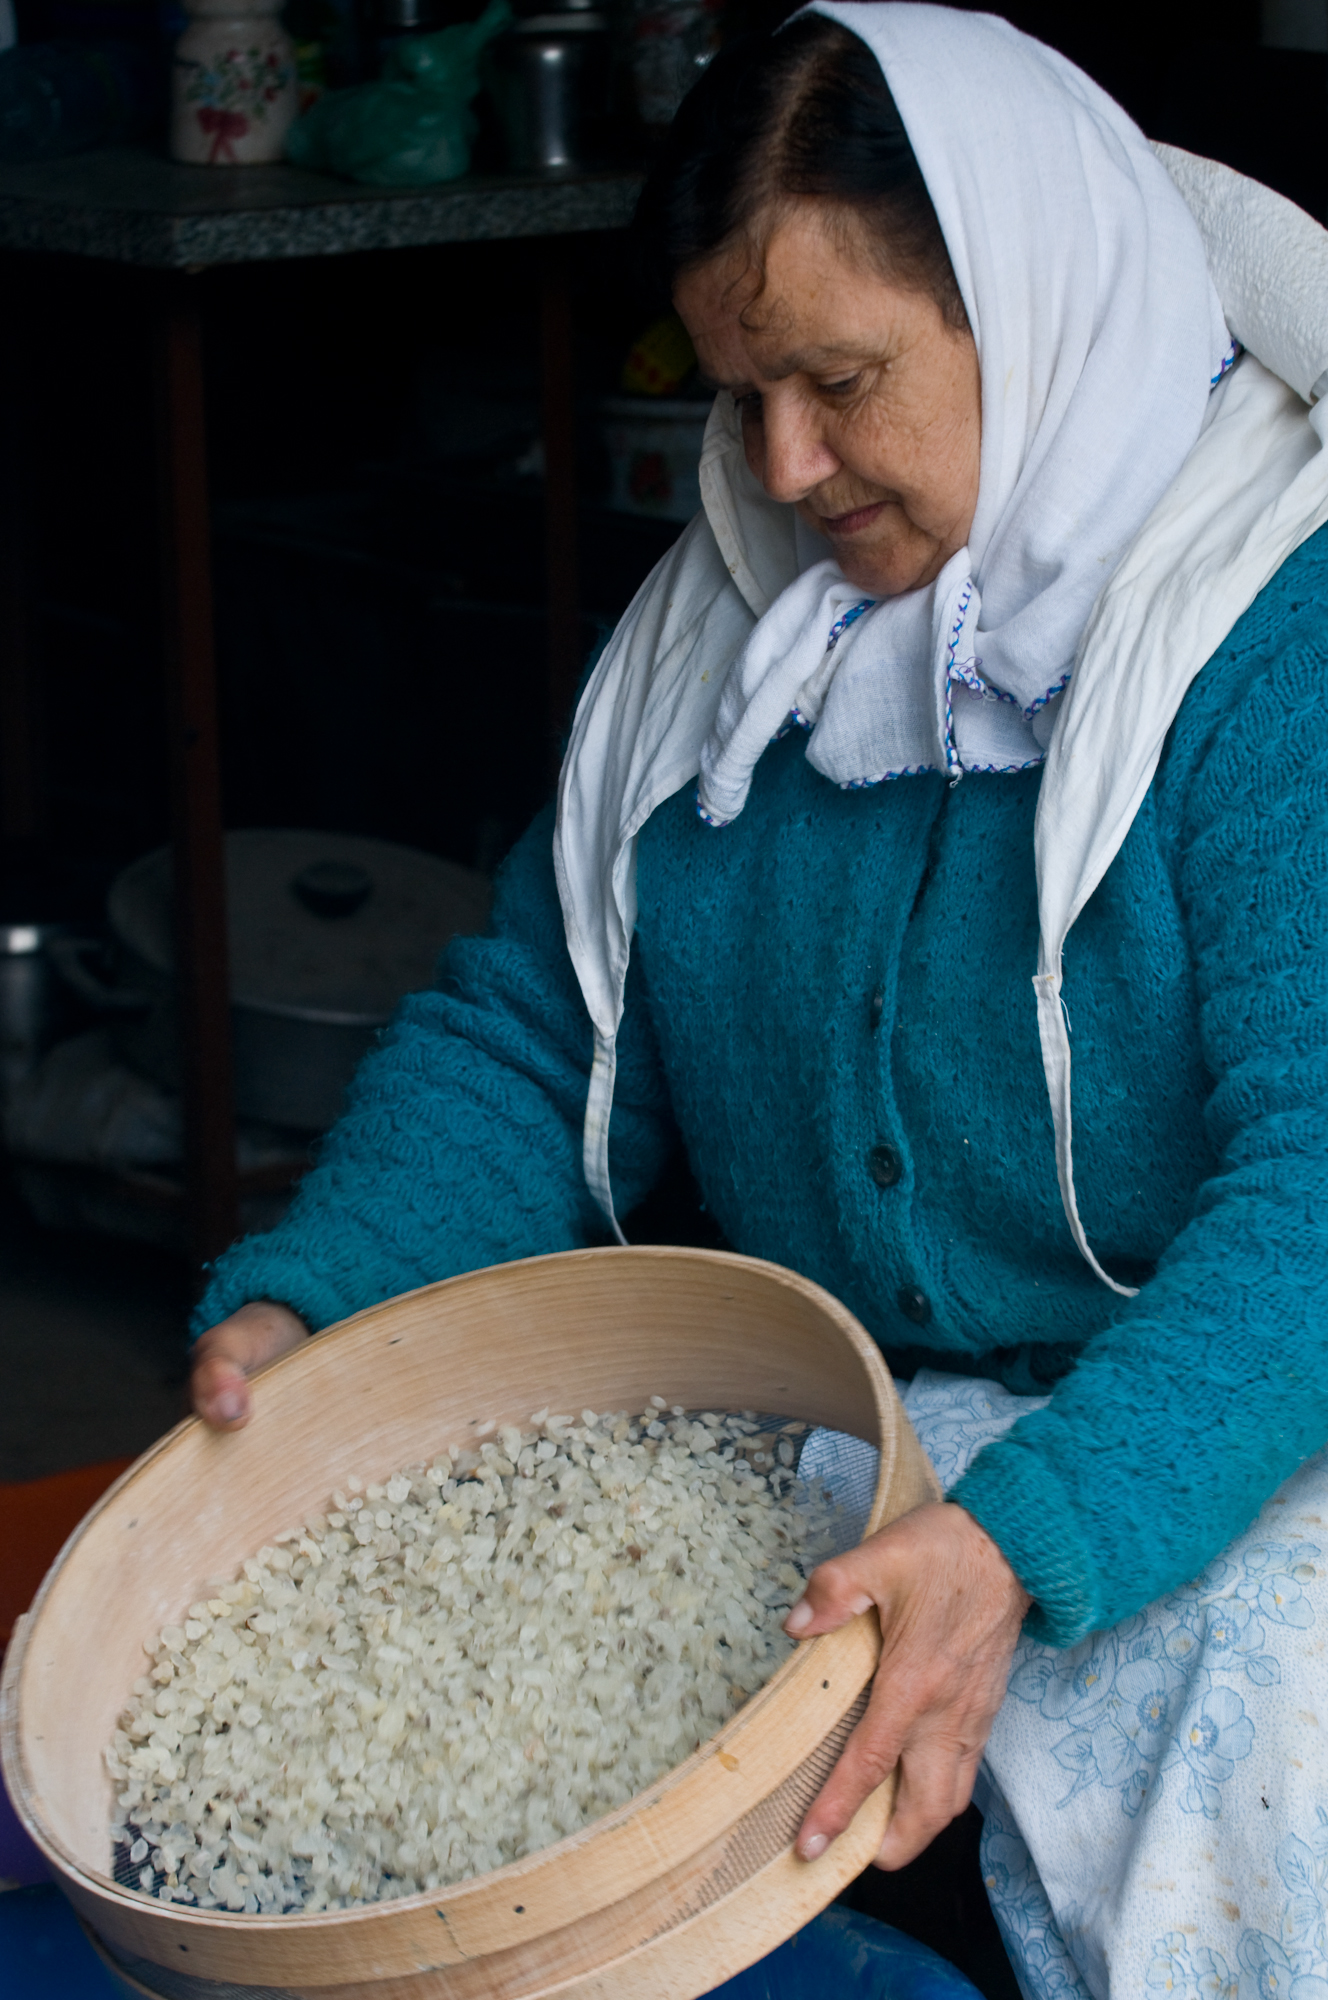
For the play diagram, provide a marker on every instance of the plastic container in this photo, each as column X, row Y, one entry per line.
column 654, row 452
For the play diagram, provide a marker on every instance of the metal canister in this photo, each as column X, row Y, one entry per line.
column 670, row 43
column 387, row 22
column 549, row 77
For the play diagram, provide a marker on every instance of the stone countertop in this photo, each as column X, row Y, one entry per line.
column 134, row 207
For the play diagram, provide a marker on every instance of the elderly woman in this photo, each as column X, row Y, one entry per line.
column 1005, row 614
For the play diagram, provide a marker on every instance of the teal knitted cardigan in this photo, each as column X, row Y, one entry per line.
column 834, row 993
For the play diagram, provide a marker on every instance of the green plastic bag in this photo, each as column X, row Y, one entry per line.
column 415, row 125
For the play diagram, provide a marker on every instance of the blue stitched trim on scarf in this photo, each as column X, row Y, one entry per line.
column 865, row 784
column 850, row 617
column 1229, row 360
column 955, row 671
column 1008, row 770
column 1050, row 695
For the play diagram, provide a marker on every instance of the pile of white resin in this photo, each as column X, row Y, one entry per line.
column 458, row 1667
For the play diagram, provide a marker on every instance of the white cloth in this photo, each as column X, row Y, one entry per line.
column 1155, row 1800
column 729, row 634
column 1269, row 261
column 1254, row 487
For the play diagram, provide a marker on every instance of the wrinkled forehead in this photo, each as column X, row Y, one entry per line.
column 794, row 240
column 802, row 291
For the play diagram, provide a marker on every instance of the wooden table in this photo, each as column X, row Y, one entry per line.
column 132, row 208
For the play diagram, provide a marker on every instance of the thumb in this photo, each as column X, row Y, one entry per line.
column 835, row 1593
column 220, row 1393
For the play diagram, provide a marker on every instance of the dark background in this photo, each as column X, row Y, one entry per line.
column 379, row 592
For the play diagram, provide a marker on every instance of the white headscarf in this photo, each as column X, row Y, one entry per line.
column 1105, row 455
column 1099, row 334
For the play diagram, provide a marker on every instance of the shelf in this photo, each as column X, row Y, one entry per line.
column 134, row 207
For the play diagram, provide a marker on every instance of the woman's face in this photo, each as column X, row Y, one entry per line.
column 859, row 403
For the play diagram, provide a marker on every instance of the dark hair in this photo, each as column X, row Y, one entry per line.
column 802, row 110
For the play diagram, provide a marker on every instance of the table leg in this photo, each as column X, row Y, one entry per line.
column 558, row 399
column 22, row 792
column 202, row 991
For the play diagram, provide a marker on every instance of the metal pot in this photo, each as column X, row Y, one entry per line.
column 327, row 931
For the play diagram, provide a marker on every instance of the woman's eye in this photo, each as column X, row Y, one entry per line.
column 843, row 388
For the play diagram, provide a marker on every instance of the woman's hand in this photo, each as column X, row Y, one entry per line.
column 950, row 1608
column 229, row 1353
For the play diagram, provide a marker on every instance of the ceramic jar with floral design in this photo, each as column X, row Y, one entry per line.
column 233, row 85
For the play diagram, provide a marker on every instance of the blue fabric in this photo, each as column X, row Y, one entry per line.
column 21, row 1860
column 44, row 1954
column 841, row 1956
column 839, row 971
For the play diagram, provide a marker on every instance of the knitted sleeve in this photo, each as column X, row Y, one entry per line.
column 1207, row 1390
column 460, row 1145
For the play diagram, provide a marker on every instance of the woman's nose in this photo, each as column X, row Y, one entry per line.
column 794, row 455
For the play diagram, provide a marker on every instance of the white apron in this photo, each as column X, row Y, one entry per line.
column 1155, row 1799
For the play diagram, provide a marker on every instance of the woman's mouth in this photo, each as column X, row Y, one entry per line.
column 852, row 523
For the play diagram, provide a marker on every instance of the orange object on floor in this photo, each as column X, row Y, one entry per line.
column 38, row 1515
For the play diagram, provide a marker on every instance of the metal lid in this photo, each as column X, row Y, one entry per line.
column 323, row 926
column 23, row 940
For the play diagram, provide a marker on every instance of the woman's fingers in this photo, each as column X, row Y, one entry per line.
column 229, row 1353
column 913, row 1722
column 937, row 1767
column 850, row 1584
column 865, row 1762
column 935, row 1784
column 950, row 1609
column 835, row 1593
